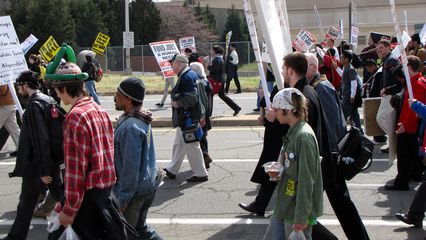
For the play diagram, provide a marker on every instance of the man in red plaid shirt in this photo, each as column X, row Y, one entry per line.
column 88, row 156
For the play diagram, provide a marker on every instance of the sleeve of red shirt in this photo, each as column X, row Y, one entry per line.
column 76, row 151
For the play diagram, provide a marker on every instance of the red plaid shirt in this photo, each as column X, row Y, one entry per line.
column 88, row 153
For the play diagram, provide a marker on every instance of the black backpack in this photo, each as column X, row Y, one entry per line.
column 55, row 116
column 355, row 153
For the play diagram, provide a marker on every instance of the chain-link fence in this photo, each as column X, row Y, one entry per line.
column 143, row 60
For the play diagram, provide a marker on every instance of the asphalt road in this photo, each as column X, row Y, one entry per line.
column 209, row 210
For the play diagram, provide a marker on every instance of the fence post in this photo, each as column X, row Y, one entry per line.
column 143, row 60
column 106, row 59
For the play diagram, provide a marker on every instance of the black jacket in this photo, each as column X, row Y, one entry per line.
column 217, row 69
column 34, row 155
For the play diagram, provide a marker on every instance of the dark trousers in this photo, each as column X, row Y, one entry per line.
column 4, row 135
column 349, row 110
column 418, row 205
column 234, row 76
column 30, row 190
column 266, row 191
column 346, row 213
column 406, row 151
column 227, row 100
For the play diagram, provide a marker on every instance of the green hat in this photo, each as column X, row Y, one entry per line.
column 69, row 72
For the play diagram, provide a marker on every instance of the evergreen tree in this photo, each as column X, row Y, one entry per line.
column 209, row 19
column 235, row 24
column 89, row 22
column 112, row 14
column 145, row 21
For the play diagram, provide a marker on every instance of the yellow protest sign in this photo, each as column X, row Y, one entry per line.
column 100, row 43
column 49, row 49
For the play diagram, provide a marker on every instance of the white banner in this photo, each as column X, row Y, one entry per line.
column 304, row 41
column 270, row 24
column 405, row 40
column 163, row 52
column 281, row 7
column 28, row 43
column 12, row 59
column 256, row 49
column 354, row 36
column 265, row 52
column 422, row 34
column 401, row 48
column 187, row 42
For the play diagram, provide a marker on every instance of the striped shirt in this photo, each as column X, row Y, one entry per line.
column 88, row 153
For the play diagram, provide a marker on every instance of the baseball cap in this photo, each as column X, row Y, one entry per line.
column 179, row 58
column 282, row 99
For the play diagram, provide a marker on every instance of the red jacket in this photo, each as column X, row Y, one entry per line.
column 408, row 117
column 331, row 73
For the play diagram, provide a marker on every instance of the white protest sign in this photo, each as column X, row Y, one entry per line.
column 256, row 49
column 354, row 36
column 422, row 35
column 318, row 19
column 163, row 52
column 187, row 42
column 12, row 59
column 281, row 7
column 304, row 41
column 128, row 40
column 265, row 52
column 341, row 28
column 28, row 43
column 333, row 33
column 228, row 40
column 405, row 40
column 270, row 24
column 406, row 21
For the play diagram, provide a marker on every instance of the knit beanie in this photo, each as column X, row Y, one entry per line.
column 134, row 88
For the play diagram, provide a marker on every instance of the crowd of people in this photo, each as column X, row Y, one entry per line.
column 99, row 165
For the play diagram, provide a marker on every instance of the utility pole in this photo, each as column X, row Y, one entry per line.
column 128, row 69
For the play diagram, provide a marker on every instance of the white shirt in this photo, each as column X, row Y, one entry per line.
column 234, row 56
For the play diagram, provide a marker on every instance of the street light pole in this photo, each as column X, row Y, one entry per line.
column 128, row 69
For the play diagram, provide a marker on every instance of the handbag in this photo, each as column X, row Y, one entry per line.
column 355, row 153
column 216, row 85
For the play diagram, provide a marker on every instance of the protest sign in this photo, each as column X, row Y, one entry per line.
column 128, row 39
column 341, row 28
column 304, row 41
column 333, row 33
column 422, row 35
column 354, row 36
column 49, row 49
column 28, row 43
column 318, row 19
column 12, row 59
column 228, row 40
column 265, row 52
column 281, row 7
column 100, row 44
column 256, row 49
column 163, row 52
column 187, row 42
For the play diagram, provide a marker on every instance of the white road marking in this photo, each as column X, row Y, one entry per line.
column 233, row 221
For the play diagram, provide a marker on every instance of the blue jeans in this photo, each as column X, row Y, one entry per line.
column 90, row 88
column 136, row 213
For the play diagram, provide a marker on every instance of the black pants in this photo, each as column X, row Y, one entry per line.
column 418, row 205
column 266, row 191
column 227, row 100
column 30, row 190
column 233, row 75
column 406, row 151
column 346, row 213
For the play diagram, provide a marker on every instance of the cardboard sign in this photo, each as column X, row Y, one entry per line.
column 354, row 36
column 163, row 52
column 303, row 41
column 187, row 42
column 49, row 49
column 333, row 33
column 28, row 43
column 12, row 59
column 100, row 44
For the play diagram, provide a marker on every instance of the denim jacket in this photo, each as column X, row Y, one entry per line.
column 134, row 156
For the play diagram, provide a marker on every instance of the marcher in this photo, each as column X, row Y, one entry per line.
column 216, row 71
column 90, row 68
column 386, row 115
column 231, row 69
column 35, row 162
column 89, row 159
column 334, row 182
column 408, row 163
column 299, row 199
column 186, row 107
column 134, row 157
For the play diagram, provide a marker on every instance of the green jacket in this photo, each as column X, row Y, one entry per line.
column 300, row 190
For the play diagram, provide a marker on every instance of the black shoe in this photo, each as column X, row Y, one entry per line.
column 237, row 92
column 207, row 160
column 169, row 174
column 256, row 110
column 197, row 179
column 236, row 111
column 392, row 187
column 159, row 104
column 404, row 218
column 13, row 154
column 250, row 208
